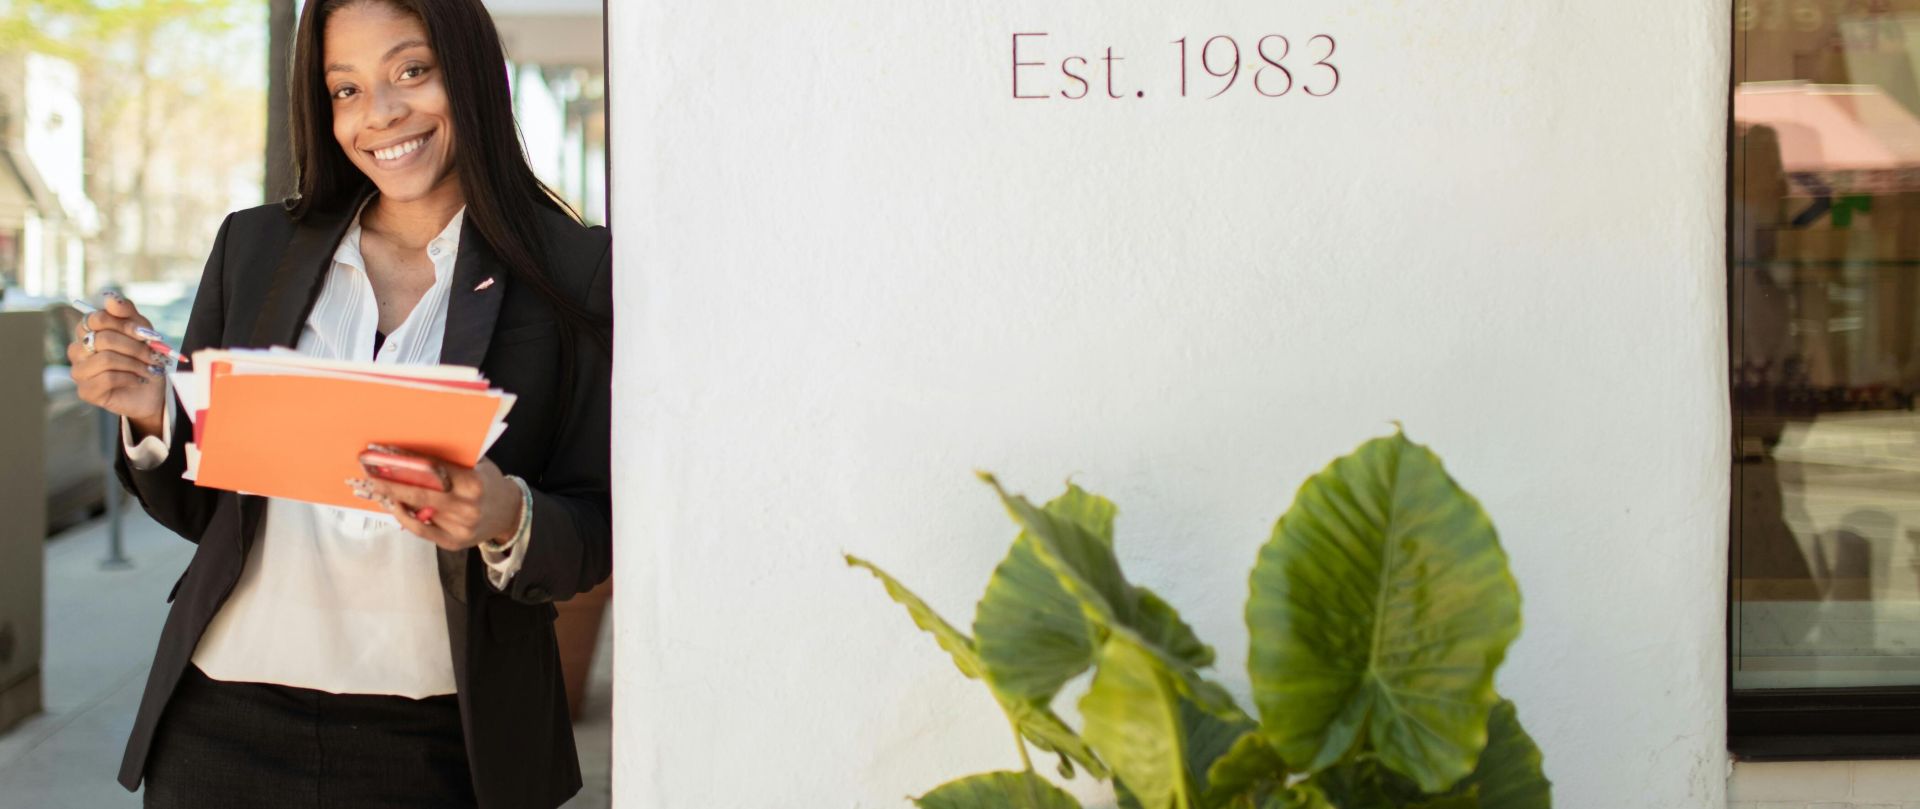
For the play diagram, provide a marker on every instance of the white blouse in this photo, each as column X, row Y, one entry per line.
column 334, row 599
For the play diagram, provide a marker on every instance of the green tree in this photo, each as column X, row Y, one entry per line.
column 162, row 81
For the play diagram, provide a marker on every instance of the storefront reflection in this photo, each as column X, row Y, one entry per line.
column 1825, row 242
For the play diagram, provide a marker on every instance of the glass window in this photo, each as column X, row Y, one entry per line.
column 1824, row 294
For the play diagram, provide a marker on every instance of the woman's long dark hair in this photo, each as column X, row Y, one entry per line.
column 502, row 194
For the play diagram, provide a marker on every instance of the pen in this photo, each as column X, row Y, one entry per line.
column 155, row 340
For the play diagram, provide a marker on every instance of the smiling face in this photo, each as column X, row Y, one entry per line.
column 390, row 110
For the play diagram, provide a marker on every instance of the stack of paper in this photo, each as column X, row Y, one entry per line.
column 276, row 423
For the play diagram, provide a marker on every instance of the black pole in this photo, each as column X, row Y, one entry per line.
column 279, row 151
column 116, row 498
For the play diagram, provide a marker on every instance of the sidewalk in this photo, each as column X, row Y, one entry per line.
column 102, row 626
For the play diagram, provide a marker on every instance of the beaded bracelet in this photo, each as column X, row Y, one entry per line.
column 526, row 520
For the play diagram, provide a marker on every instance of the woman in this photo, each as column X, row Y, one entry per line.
column 332, row 658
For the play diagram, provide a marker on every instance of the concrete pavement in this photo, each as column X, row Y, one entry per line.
column 101, row 629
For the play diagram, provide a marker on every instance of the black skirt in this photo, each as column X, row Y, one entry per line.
column 250, row 745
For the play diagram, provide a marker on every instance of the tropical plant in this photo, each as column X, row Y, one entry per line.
column 1380, row 607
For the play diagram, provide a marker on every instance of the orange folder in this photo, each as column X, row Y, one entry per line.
column 300, row 437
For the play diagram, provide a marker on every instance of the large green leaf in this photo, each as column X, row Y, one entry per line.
column 1133, row 720
column 998, row 790
column 1161, row 744
column 1245, row 775
column 1083, row 563
column 1380, row 609
column 1509, row 775
column 1209, row 738
column 1093, row 513
column 1030, row 631
column 1035, row 721
column 1085, row 567
column 1159, row 623
column 1032, row 635
column 957, row 644
column 1033, row 638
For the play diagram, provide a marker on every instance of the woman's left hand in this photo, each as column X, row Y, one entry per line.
column 480, row 505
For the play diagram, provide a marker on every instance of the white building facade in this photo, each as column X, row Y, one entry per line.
column 559, row 95
column 854, row 267
column 45, row 214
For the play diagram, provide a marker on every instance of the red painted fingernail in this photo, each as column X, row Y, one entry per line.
column 424, row 514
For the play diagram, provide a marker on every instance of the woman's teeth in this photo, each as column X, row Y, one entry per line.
column 404, row 149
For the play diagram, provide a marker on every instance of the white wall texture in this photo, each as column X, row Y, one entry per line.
column 853, row 270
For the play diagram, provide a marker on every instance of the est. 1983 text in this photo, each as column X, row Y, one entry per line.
column 1270, row 66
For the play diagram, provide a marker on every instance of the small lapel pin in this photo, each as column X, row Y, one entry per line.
column 484, row 285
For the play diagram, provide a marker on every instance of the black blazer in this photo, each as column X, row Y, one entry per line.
column 260, row 284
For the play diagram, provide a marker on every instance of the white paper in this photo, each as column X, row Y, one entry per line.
column 194, row 388
column 285, row 357
column 190, row 389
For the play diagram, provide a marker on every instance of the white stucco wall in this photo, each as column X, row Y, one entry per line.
column 853, row 270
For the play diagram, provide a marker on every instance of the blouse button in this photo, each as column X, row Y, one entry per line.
column 433, row 251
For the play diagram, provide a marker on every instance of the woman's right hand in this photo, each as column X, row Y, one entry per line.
column 118, row 372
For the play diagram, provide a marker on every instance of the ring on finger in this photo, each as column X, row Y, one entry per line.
column 86, row 341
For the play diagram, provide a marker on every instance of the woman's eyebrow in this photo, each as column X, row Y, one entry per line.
column 342, row 67
column 395, row 50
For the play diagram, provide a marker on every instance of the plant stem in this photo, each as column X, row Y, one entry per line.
column 1020, row 742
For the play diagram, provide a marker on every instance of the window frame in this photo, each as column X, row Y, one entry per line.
column 1823, row 723
column 1793, row 724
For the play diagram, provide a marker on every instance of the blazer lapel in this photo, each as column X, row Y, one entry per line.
column 473, row 305
column 296, row 283
column 303, row 267
column 473, row 301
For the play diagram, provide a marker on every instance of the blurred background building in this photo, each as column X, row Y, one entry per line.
column 132, row 127
column 559, row 94
column 46, row 216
